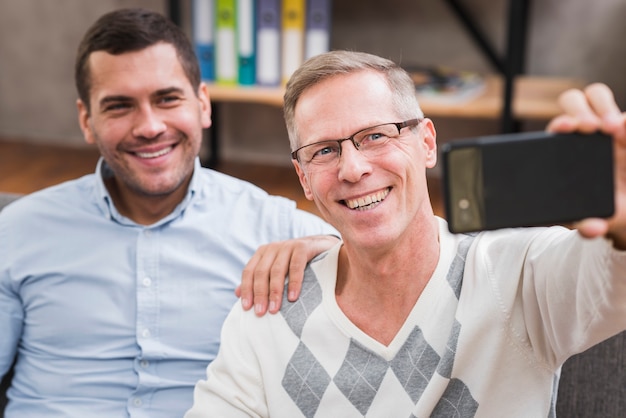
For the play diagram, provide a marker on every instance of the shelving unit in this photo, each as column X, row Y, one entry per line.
column 533, row 98
column 508, row 95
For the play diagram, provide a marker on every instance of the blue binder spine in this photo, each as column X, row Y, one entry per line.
column 318, row 24
column 246, row 42
column 203, row 39
column 268, row 50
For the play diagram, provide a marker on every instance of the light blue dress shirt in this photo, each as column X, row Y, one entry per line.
column 114, row 319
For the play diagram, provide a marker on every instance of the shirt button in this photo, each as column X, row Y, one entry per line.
column 144, row 363
column 145, row 333
column 147, row 232
column 137, row 402
column 147, row 281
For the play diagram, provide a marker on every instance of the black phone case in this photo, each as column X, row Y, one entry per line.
column 526, row 179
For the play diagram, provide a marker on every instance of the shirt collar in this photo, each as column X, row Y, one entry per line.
column 105, row 202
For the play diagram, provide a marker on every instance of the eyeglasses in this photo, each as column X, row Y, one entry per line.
column 369, row 141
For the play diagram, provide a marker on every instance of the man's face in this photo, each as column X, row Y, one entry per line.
column 395, row 180
column 145, row 119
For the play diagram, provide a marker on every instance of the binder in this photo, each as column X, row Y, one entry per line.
column 225, row 42
column 202, row 29
column 268, row 42
column 292, row 53
column 245, row 42
column 318, row 21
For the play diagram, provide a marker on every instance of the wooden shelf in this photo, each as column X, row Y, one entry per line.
column 534, row 98
column 253, row 94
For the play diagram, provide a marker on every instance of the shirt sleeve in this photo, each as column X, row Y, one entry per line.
column 560, row 293
column 11, row 312
column 306, row 223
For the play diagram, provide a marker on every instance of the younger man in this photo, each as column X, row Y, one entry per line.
column 114, row 286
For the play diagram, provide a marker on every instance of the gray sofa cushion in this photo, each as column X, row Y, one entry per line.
column 593, row 383
column 6, row 198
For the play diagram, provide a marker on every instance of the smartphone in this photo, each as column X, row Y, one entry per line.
column 526, row 179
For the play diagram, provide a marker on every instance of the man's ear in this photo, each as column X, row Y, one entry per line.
column 303, row 180
column 429, row 138
column 205, row 105
column 84, row 122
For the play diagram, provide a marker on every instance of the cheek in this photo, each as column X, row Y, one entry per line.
column 316, row 186
column 189, row 123
column 105, row 132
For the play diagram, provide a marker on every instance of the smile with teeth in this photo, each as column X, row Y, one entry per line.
column 367, row 202
column 154, row 154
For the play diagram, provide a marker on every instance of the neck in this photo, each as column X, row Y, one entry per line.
column 378, row 291
column 144, row 209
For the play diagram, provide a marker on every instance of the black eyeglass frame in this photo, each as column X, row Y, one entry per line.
column 399, row 125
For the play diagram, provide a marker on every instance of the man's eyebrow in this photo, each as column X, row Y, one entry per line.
column 113, row 99
column 169, row 90
column 121, row 98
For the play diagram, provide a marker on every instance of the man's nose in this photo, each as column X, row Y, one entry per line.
column 353, row 164
column 149, row 123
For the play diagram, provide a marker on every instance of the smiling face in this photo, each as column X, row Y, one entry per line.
column 371, row 201
column 146, row 120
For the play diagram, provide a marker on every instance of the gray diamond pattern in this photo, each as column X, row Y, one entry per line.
column 455, row 274
column 305, row 380
column 360, row 376
column 445, row 366
column 415, row 364
column 362, row 371
column 456, row 402
column 296, row 313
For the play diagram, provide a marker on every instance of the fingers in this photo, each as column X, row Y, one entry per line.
column 563, row 124
column 245, row 290
column 601, row 100
column 578, row 113
column 279, row 267
column 592, row 227
column 263, row 278
column 589, row 110
column 296, row 275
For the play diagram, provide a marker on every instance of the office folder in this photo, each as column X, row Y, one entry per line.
column 317, row 35
column 268, row 42
column 245, row 42
column 225, row 42
column 292, row 36
column 202, row 28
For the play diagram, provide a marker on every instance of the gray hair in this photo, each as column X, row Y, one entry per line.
column 333, row 63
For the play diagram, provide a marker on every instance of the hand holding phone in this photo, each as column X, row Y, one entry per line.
column 526, row 179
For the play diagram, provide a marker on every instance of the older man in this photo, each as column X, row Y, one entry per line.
column 403, row 318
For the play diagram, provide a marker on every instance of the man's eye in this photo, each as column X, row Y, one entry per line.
column 325, row 151
column 375, row 136
column 113, row 107
column 169, row 99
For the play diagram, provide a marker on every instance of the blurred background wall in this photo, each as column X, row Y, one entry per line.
column 569, row 38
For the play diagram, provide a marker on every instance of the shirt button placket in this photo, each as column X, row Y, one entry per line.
column 147, row 307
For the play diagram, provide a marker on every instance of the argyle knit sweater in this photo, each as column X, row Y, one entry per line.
column 501, row 313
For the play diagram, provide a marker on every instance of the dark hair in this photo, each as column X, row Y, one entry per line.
column 128, row 30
